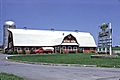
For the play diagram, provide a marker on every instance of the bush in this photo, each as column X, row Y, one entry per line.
column 14, row 52
column 11, row 52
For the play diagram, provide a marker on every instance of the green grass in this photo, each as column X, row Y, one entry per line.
column 115, row 48
column 6, row 76
column 84, row 59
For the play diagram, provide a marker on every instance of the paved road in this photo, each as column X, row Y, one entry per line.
column 46, row 72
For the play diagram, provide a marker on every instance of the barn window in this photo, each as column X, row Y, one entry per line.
column 66, row 41
column 69, row 47
column 91, row 48
column 99, row 49
column 74, row 48
column 64, row 47
column 26, row 48
column 72, row 41
column 19, row 49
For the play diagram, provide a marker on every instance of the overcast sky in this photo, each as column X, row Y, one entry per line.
column 82, row 15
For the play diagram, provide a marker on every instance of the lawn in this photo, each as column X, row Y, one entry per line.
column 6, row 76
column 84, row 59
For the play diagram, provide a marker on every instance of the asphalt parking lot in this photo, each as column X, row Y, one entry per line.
column 48, row 72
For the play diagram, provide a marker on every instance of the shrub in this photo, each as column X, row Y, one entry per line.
column 14, row 52
column 23, row 52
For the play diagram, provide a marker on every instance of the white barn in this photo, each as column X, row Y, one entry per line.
column 58, row 41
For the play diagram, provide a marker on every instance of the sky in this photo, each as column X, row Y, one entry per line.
column 82, row 15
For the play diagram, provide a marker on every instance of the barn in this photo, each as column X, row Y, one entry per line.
column 50, row 40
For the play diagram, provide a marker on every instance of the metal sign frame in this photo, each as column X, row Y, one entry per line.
column 105, row 39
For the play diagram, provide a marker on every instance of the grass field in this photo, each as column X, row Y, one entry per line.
column 6, row 76
column 84, row 59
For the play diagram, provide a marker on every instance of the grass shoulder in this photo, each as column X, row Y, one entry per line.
column 83, row 59
column 6, row 76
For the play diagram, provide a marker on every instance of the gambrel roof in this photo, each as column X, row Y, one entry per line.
column 27, row 37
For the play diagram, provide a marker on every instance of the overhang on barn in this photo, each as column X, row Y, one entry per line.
column 60, row 41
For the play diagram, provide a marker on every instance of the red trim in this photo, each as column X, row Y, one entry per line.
column 87, row 50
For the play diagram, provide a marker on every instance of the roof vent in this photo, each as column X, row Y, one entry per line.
column 77, row 31
column 52, row 29
column 25, row 28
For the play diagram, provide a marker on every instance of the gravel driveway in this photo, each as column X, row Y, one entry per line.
column 47, row 72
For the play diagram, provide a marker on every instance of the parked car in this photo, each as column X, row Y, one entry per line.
column 40, row 50
column 48, row 51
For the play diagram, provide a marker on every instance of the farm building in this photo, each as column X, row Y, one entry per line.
column 50, row 41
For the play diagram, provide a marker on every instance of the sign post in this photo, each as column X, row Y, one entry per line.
column 110, row 31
